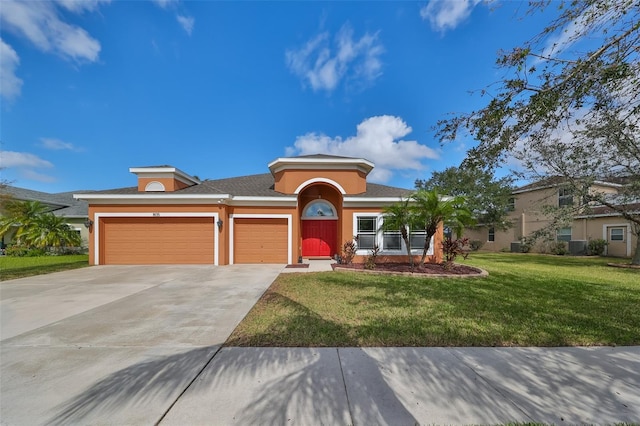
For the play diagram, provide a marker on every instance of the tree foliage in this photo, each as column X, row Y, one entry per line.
column 430, row 209
column 35, row 227
column 488, row 198
column 400, row 217
column 568, row 104
column 426, row 210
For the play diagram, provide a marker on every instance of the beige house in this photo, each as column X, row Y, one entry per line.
column 527, row 214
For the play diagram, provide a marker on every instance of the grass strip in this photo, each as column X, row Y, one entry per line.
column 20, row 267
column 527, row 300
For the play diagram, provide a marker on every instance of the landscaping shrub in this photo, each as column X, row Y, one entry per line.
column 476, row 245
column 596, row 247
column 526, row 244
column 348, row 252
column 559, row 248
column 454, row 248
column 370, row 261
column 22, row 251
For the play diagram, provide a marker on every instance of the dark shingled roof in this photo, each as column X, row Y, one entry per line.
column 603, row 210
column 60, row 204
column 559, row 180
column 257, row 186
column 252, row 185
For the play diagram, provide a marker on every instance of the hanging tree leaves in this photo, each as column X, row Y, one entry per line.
column 568, row 104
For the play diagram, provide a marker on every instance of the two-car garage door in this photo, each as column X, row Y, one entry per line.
column 157, row 240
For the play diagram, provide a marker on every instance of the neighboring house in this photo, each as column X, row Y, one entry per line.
column 61, row 204
column 528, row 216
column 306, row 207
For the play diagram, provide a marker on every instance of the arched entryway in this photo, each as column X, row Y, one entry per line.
column 319, row 229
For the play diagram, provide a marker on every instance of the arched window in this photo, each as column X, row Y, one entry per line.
column 319, row 209
column 154, row 186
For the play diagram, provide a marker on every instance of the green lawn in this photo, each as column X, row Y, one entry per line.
column 19, row 267
column 527, row 300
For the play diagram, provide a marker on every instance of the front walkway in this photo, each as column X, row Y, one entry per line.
column 314, row 266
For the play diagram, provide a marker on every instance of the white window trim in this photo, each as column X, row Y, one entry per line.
column 489, row 240
column 289, row 217
column 570, row 228
column 605, row 236
column 98, row 216
column 565, row 197
column 613, row 228
column 380, row 238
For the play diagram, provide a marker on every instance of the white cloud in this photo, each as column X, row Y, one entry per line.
column 186, row 22
column 12, row 159
column 324, row 65
column 378, row 139
column 446, row 15
column 57, row 144
column 27, row 165
column 10, row 84
column 39, row 22
column 39, row 177
column 164, row 4
column 79, row 6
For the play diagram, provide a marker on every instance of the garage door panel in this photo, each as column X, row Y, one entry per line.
column 260, row 240
column 158, row 240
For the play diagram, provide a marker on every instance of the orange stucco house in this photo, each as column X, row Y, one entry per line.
column 306, row 207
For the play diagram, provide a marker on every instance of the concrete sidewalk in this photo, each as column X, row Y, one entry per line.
column 408, row 386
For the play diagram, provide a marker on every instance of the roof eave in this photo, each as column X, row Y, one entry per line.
column 284, row 163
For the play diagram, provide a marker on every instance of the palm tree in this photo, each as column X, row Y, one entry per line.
column 431, row 209
column 20, row 215
column 51, row 231
column 400, row 216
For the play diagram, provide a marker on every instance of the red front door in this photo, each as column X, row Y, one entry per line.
column 319, row 237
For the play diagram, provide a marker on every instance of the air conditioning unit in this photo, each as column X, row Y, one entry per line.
column 577, row 247
column 516, row 247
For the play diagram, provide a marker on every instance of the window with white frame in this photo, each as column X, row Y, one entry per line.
column 565, row 197
column 511, row 204
column 370, row 232
column 391, row 240
column 492, row 234
column 417, row 240
column 367, row 232
column 564, row 234
column 616, row 234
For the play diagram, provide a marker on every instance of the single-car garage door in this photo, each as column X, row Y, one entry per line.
column 157, row 240
column 260, row 240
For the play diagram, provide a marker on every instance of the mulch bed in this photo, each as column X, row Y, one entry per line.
column 405, row 269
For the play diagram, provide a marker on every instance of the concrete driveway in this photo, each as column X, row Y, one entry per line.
column 115, row 344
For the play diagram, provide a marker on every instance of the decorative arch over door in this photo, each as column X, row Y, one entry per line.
column 319, row 229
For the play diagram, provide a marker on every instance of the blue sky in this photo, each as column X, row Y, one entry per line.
column 220, row 89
